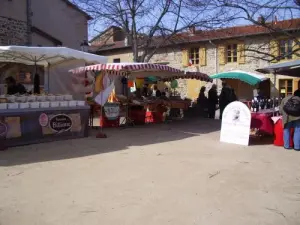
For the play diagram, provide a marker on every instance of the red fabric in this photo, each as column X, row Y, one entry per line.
column 154, row 117
column 278, row 134
column 138, row 116
column 130, row 84
column 104, row 122
column 263, row 122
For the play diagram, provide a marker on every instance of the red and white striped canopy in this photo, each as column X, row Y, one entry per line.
column 142, row 70
column 191, row 75
column 130, row 69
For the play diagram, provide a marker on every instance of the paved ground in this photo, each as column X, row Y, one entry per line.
column 175, row 174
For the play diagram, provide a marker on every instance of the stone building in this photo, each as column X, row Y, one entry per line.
column 42, row 23
column 243, row 47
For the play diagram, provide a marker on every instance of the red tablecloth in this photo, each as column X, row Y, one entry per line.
column 263, row 122
column 278, row 134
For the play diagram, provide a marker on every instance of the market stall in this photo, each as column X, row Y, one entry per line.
column 41, row 116
column 291, row 69
column 253, row 90
column 244, row 83
column 141, row 108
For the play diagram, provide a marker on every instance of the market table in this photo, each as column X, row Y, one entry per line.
column 29, row 126
column 262, row 120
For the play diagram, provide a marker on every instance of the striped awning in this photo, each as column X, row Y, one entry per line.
column 191, row 75
column 128, row 68
column 142, row 70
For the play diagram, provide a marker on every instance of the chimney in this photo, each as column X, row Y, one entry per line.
column 192, row 30
column 126, row 42
column 275, row 20
column 261, row 19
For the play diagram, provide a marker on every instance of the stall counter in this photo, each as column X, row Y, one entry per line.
column 23, row 127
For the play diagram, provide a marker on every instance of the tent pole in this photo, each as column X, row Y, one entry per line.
column 276, row 94
column 48, row 78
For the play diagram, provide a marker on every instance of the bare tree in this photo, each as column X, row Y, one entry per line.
column 152, row 24
column 264, row 14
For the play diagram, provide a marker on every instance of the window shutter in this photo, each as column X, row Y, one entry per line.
column 274, row 50
column 185, row 58
column 241, row 53
column 202, row 55
column 295, row 84
column 296, row 49
column 221, row 54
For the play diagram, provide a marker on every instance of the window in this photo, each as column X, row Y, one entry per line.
column 285, row 49
column 194, row 55
column 285, row 87
column 117, row 60
column 232, row 53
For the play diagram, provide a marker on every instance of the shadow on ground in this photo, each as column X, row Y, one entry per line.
column 118, row 139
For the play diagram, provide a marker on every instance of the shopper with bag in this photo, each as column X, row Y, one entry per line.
column 290, row 111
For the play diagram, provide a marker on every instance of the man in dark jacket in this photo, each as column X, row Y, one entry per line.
column 13, row 87
column 212, row 101
column 290, row 122
column 227, row 96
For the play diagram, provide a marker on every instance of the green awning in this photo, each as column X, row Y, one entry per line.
column 250, row 78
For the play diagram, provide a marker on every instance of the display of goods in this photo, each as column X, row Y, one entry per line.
column 80, row 103
column 13, row 105
column 41, row 98
column 22, row 98
column 24, row 105
column 3, row 100
column 45, row 104
column 3, row 106
column 72, row 103
column 34, row 105
column 31, row 98
column 54, row 104
column 68, row 97
column 59, row 98
column 11, row 98
column 63, row 104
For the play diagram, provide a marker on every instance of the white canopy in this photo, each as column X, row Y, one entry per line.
column 45, row 56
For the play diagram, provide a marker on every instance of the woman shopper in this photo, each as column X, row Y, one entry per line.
column 202, row 102
column 212, row 101
column 290, row 111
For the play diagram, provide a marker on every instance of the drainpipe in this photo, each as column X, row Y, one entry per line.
column 216, row 61
column 29, row 22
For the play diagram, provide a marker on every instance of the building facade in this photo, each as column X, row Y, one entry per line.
column 237, row 48
column 42, row 23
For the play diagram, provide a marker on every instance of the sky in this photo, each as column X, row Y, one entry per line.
column 96, row 28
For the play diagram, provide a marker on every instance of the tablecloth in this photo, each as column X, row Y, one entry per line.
column 262, row 121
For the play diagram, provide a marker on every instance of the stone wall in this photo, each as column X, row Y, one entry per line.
column 12, row 32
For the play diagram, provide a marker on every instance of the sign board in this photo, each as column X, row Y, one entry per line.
column 43, row 120
column 236, row 121
column 112, row 110
column 60, row 123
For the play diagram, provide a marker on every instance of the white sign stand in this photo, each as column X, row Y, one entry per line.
column 236, row 121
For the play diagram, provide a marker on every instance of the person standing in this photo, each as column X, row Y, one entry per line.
column 224, row 98
column 212, row 101
column 202, row 102
column 290, row 121
column 156, row 93
column 13, row 87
